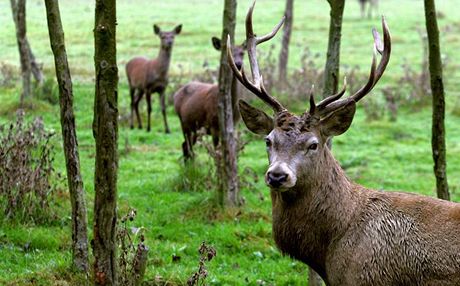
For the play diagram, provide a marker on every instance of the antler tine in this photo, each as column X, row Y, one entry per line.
column 231, row 61
column 312, row 101
column 257, row 86
column 378, row 72
column 386, row 48
column 323, row 103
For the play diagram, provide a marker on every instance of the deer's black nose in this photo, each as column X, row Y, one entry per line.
column 276, row 179
column 239, row 64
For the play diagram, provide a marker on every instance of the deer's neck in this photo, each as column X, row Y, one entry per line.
column 315, row 213
column 164, row 59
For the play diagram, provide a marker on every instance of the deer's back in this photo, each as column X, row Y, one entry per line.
column 196, row 105
column 399, row 239
column 143, row 73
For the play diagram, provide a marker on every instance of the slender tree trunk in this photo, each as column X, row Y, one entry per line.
column 228, row 173
column 19, row 17
column 105, row 132
column 69, row 136
column 284, row 53
column 438, row 143
column 331, row 70
column 35, row 67
column 331, row 77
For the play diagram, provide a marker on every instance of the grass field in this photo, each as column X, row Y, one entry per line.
column 378, row 154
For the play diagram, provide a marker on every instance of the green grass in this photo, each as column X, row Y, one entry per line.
column 379, row 154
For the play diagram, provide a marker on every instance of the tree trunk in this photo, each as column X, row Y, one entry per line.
column 105, row 132
column 331, row 70
column 228, row 169
column 35, row 67
column 19, row 17
column 69, row 136
column 331, row 77
column 313, row 278
column 284, row 53
column 438, row 143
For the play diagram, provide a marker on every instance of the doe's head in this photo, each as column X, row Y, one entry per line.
column 237, row 51
column 167, row 37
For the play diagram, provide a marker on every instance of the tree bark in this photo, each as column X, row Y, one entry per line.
column 19, row 17
column 35, row 67
column 331, row 70
column 313, row 278
column 284, row 53
column 228, row 173
column 69, row 137
column 438, row 143
column 105, row 132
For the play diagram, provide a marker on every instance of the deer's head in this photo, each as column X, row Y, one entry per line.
column 167, row 38
column 237, row 51
column 296, row 144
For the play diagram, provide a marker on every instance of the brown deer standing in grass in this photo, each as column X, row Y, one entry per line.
column 373, row 5
column 196, row 105
column 149, row 76
column 347, row 233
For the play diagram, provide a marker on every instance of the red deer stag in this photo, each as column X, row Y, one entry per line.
column 150, row 76
column 347, row 233
column 196, row 105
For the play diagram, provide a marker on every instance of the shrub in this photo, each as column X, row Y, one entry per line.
column 132, row 259
column 26, row 171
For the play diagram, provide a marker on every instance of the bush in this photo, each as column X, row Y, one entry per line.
column 26, row 170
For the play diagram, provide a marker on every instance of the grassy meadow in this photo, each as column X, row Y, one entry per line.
column 175, row 204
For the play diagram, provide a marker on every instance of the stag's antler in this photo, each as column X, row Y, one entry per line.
column 332, row 102
column 257, row 86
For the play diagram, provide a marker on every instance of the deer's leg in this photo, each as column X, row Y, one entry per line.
column 137, row 99
column 163, row 110
column 148, row 96
column 131, row 117
column 215, row 137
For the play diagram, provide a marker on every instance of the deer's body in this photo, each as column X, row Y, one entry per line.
column 357, row 236
column 196, row 105
column 147, row 76
column 350, row 235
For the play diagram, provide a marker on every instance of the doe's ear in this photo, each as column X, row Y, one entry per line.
column 339, row 121
column 156, row 29
column 256, row 120
column 216, row 43
column 178, row 29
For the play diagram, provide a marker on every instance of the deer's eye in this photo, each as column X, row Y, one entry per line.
column 313, row 146
column 268, row 143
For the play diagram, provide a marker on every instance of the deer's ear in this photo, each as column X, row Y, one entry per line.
column 339, row 121
column 156, row 29
column 216, row 43
column 256, row 120
column 178, row 29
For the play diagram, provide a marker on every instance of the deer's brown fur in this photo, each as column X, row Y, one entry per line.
column 196, row 105
column 350, row 235
column 147, row 76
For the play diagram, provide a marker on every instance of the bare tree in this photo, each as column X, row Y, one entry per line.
column 284, row 52
column 105, row 132
column 438, row 143
column 29, row 65
column 331, row 70
column 19, row 16
column 228, row 169
column 69, row 136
